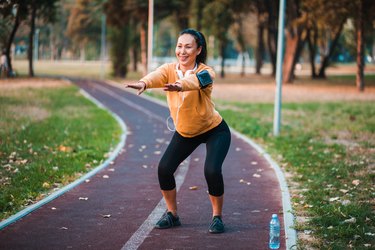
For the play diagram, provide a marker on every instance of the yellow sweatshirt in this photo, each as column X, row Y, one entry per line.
column 192, row 110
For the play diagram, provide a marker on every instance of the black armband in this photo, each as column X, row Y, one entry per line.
column 204, row 78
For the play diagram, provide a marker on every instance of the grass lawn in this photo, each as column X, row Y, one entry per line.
column 328, row 153
column 328, row 149
column 48, row 138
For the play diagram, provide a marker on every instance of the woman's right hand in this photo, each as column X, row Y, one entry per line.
column 141, row 86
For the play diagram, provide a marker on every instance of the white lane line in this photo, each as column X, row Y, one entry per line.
column 290, row 232
column 144, row 230
column 66, row 188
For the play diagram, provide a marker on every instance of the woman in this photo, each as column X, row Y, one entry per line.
column 188, row 85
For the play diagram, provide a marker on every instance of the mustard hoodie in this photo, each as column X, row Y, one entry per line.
column 192, row 110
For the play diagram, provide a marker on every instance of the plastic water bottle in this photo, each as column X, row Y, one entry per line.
column 274, row 232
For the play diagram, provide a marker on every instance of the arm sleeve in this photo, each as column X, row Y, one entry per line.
column 157, row 78
column 191, row 82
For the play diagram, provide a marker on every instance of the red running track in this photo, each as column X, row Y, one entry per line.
column 131, row 194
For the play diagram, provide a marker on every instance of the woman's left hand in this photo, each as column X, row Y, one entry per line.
column 173, row 86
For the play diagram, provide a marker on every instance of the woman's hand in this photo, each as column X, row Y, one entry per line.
column 141, row 86
column 173, row 86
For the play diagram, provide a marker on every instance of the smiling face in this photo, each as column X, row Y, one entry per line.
column 187, row 51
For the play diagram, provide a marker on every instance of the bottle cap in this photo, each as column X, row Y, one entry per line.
column 274, row 215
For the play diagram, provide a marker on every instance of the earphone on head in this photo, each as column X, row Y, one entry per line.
column 180, row 76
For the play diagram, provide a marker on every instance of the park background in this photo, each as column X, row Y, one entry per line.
column 326, row 145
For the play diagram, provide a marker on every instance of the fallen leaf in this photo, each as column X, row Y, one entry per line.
column 106, row 215
column 245, row 182
column 334, row 199
column 367, row 245
column 63, row 148
column 157, row 152
column 193, row 188
column 63, row 228
column 351, row 220
column 355, row 182
column 55, row 168
column 344, row 191
column 87, row 180
column 345, row 202
column 111, row 170
column 46, row 185
column 105, row 176
column 256, row 175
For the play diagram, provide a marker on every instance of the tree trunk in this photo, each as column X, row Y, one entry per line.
column 135, row 58
column 82, row 52
column 143, row 49
column 222, row 52
column 291, row 47
column 272, row 32
column 360, row 47
column 312, row 49
column 260, row 47
column 243, row 64
column 325, row 61
column 199, row 14
column 31, row 40
column 10, row 41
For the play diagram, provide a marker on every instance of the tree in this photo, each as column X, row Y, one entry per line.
column 293, row 45
column 271, row 8
column 84, row 23
column 12, row 12
column 364, row 10
column 240, row 10
column 323, row 31
column 218, row 17
column 45, row 10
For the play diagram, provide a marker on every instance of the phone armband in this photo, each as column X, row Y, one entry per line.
column 204, row 78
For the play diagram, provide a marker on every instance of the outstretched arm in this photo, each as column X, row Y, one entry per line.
column 140, row 86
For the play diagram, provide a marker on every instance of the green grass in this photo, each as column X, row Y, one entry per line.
column 329, row 148
column 49, row 137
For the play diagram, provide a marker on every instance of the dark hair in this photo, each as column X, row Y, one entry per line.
column 201, row 41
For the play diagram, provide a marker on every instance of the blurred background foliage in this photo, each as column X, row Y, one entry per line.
column 317, row 32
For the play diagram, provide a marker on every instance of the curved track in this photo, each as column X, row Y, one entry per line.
column 120, row 210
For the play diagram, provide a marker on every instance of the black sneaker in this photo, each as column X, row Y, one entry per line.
column 217, row 225
column 168, row 220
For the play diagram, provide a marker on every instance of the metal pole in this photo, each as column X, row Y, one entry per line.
column 102, row 48
column 150, row 34
column 279, row 69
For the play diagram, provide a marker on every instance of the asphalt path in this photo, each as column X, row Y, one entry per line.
column 117, row 207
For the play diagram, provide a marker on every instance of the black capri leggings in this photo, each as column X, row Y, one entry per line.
column 217, row 144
